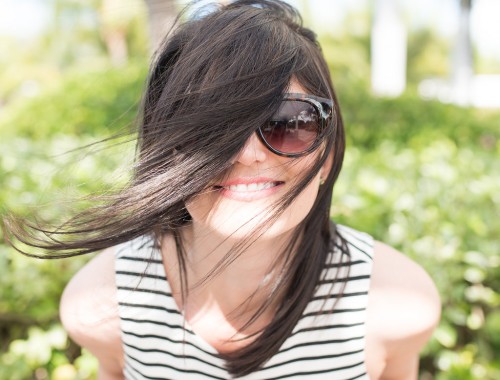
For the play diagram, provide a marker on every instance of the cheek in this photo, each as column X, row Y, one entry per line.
column 301, row 206
column 226, row 217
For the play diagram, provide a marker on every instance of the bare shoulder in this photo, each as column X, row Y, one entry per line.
column 89, row 313
column 403, row 310
column 403, row 295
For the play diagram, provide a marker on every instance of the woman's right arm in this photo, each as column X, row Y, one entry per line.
column 89, row 313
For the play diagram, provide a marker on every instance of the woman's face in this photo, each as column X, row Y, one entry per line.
column 237, row 204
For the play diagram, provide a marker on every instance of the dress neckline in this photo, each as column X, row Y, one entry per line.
column 181, row 319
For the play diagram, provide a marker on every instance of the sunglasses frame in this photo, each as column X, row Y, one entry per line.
column 324, row 108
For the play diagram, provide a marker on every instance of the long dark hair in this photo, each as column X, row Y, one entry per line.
column 213, row 80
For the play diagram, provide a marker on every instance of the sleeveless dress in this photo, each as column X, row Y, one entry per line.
column 159, row 344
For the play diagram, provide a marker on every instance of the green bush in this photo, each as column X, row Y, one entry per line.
column 411, row 122
column 41, row 172
column 421, row 176
column 90, row 103
column 439, row 205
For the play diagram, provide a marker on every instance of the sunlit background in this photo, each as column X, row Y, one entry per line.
column 459, row 38
column 418, row 84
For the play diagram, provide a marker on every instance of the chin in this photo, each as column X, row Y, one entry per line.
column 243, row 222
column 237, row 219
column 269, row 231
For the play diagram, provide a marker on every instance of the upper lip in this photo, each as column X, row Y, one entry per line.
column 246, row 181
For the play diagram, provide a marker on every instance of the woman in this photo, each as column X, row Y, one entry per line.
column 219, row 259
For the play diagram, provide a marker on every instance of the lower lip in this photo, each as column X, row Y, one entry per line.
column 248, row 196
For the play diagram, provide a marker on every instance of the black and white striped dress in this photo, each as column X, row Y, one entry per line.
column 159, row 344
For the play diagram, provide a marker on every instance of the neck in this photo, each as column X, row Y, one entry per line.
column 229, row 259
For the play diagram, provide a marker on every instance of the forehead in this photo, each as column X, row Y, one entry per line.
column 295, row 87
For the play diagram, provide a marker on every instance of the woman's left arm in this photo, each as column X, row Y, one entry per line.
column 403, row 310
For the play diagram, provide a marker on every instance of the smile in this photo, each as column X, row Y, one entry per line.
column 250, row 186
column 247, row 190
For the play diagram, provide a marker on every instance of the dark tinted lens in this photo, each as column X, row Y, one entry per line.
column 294, row 128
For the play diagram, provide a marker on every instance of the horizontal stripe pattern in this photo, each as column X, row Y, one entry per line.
column 325, row 344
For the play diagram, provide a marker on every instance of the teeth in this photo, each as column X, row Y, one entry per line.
column 251, row 186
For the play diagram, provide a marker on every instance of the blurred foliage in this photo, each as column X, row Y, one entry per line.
column 419, row 175
column 412, row 122
column 42, row 356
column 40, row 163
column 349, row 58
column 84, row 111
column 427, row 55
column 423, row 177
column 79, row 38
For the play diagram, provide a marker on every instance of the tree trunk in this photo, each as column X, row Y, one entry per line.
column 462, row 61
column 115, row 17
column 162, row 14
column 388, row 49
column 116, row 44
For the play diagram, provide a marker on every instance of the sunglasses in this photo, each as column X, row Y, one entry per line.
column 299, row 125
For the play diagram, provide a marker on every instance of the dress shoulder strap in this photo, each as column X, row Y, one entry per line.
column 360, row 244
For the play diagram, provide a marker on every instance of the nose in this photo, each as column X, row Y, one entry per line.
column 253, row 151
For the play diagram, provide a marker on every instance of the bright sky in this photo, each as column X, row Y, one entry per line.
column 25, row 18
